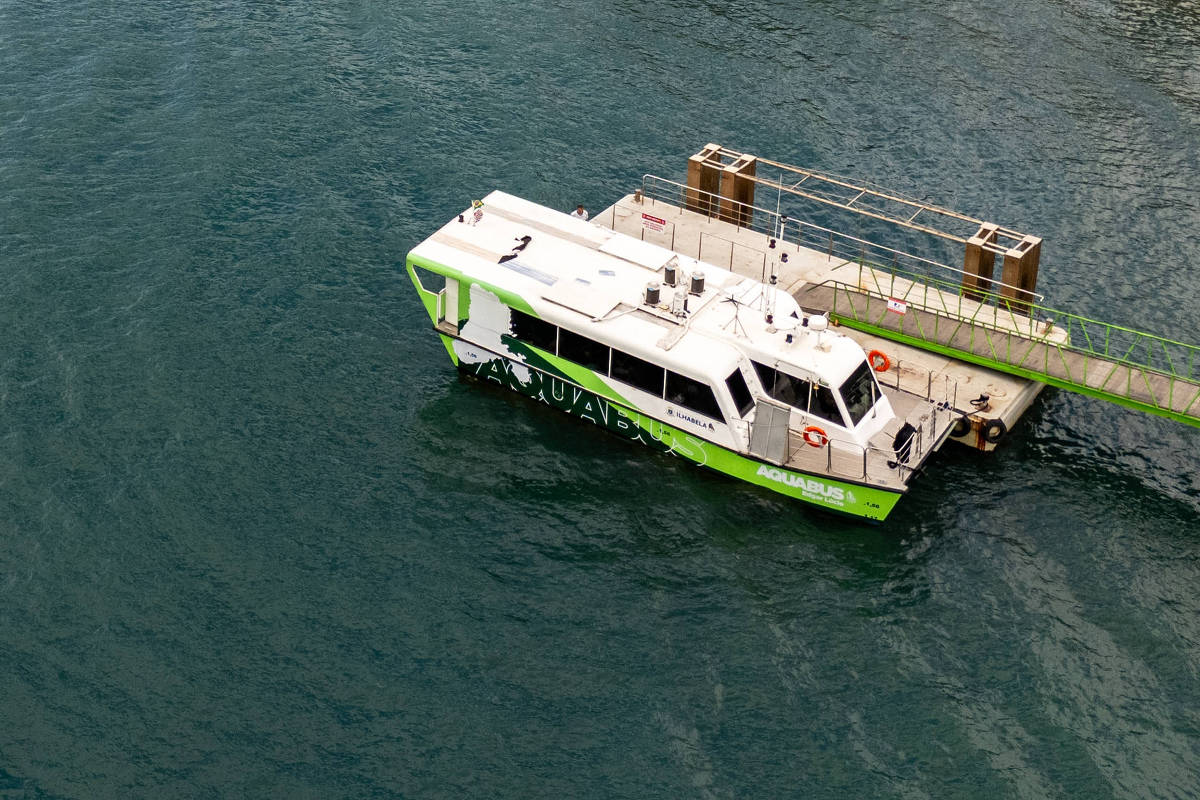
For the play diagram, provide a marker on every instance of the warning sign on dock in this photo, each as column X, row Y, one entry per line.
column 897, row 306
column 653, row 223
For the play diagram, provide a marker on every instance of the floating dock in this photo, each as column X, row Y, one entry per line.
column 989, row 342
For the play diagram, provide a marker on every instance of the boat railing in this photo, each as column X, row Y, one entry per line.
column 845, row 458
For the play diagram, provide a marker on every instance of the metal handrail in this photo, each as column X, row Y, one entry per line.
column 916, row 445
column 1017, row 310
column 1079, row 334
column 657, row 188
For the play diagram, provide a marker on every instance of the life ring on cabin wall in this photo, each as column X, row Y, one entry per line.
column 815, row 437
column 879, row 361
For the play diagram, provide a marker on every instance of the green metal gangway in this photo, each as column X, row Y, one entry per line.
column 1131, row 368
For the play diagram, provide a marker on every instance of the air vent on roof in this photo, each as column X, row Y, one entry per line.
column 652, row 293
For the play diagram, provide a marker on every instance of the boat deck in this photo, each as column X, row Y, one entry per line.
column 878, row 464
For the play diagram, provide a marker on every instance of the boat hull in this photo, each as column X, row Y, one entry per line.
column 843, row 497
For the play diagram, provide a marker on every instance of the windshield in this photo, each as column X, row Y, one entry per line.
column 860, row 393
column 796, row 392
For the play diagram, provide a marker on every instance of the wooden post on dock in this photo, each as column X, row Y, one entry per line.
column 978, row 263
column 704, row 181
column 1021, row 272
column 737, row 191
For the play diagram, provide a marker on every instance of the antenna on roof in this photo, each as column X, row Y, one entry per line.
column 770, row 292
column 738, row 328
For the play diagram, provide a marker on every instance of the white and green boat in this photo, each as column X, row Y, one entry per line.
column 684, row 356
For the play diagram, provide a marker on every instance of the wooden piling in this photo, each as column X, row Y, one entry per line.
column 737, row 191
column 704, row 181
column 1021, row 272
column 979, row 263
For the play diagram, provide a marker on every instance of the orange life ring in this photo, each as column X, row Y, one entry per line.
column 884, row 363
column 819, row 437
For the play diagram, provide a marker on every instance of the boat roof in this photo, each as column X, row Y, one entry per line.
column 593, row 280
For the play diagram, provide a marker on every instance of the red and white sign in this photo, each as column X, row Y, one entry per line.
column 653, row 223
column 897, row 306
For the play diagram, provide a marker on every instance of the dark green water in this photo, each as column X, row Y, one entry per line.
column 258, row 540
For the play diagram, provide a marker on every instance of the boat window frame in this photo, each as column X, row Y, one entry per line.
column 662, row 373
column 572, row 339
column 695, row 385
column 518, row 317
column 815, row 390
column 741, row 387
column 863, row 369
column 826, row 396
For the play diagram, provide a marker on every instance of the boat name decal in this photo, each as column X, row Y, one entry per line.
column 810, row 488
column 689, row 418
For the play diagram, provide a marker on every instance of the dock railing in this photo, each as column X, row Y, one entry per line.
column 835, row 244
column 1131, row 368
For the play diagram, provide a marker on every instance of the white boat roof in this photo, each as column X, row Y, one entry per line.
column 592, row 280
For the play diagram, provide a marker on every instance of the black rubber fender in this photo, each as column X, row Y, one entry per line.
column 962, row 426
column 993, row 430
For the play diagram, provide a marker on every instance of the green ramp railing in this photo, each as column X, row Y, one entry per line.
column 1131, row 368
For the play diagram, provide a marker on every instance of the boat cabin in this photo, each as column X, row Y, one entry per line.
column 676, row 352
column 682, row 340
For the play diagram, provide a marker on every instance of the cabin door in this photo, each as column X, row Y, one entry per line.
column 769, row 437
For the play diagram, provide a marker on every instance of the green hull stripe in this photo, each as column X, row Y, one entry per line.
column 845, row 497
column 562, row 368
column 448, row 341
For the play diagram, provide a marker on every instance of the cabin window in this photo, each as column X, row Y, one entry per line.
column 583, row 350
column 692, row 394
column 783, row 387
column 638, row 372
column 534, row 331
column 859, row 392
column 740, row 392
column 791, row 390
column 766, row 376
column 817, row 400
column 824, row 405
